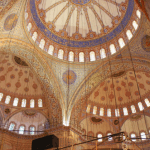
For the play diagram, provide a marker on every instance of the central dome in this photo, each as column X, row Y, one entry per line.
column 81, row 19
column 81, row 25
column 80, row 2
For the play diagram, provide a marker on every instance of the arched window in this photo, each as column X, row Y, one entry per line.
column 60, row 54
column 147, row 102
column 1, row 96
column 34, row 36
column 71, row 56
column 23, row 104
column 133, row 109
column 92, row 56
column 88, row 108
column 112, row 49
column 94, row 110
column 102, row 53
column 117, row 113
column 11, row 127
column 125, row 111
column 42, row 43
column 81, row 57
column 109, row 138
column 15, row 103
column 121, row 42
column 29, row 26
column 138, row 13
column 100, row 136
column 26, row 15
column 140, row 106
column 21, row 129
column 32, row 103
column 101, row 112
column 135, row 25
column 7, row 100
column 32, row 129
column 40, row 104
column 133, row 136
column 143, row 135
column 51, row 50
column 109, row 112
column 129, row 34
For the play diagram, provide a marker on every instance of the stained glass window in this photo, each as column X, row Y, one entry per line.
column 11, row 127
column 135, row 25
column 101, row 111
column 21, row 129
column 71, row 56
column 1, row 96
column 140, row 106
column 133, row 109
column 32, row 129
column 34, row 36
column 23, row 104
column 102, row 53
column 42, row 43
column 121, row 42
column 100, row 136
column 129, row 34
column 112, row 49
column 81, row 57
column 92, row 56
column 60, row 54
column 94, row 110
column 51, row 50
column 32, row 103
column 7, row 100
column 125, row 111
column 40, row 103
column 15, row 103
column 133, row 136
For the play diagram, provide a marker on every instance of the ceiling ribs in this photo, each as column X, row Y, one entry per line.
column 61, row 12
column 87, row 19
column 68, row 18
column 96, row 15
column 102, row 8
column 52, row 6
column 78, row 17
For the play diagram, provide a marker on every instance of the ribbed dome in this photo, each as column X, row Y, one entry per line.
column 81, row 26
column 82, row 17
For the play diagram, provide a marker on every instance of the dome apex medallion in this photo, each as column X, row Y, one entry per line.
column 80, row 2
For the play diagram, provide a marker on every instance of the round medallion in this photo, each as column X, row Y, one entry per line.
column 10, row 22
column 7, row 110
column 146, row 43
column 69, row 77
column 116, row 122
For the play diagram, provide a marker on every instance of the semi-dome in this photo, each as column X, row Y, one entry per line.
column 86, row 30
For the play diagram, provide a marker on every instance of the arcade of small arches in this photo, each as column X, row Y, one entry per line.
column 21, row 128
column 24, row 102
column 110, row 139
column 119, row 111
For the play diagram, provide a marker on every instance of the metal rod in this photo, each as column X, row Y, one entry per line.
column 121, row 133
column 26, row 130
